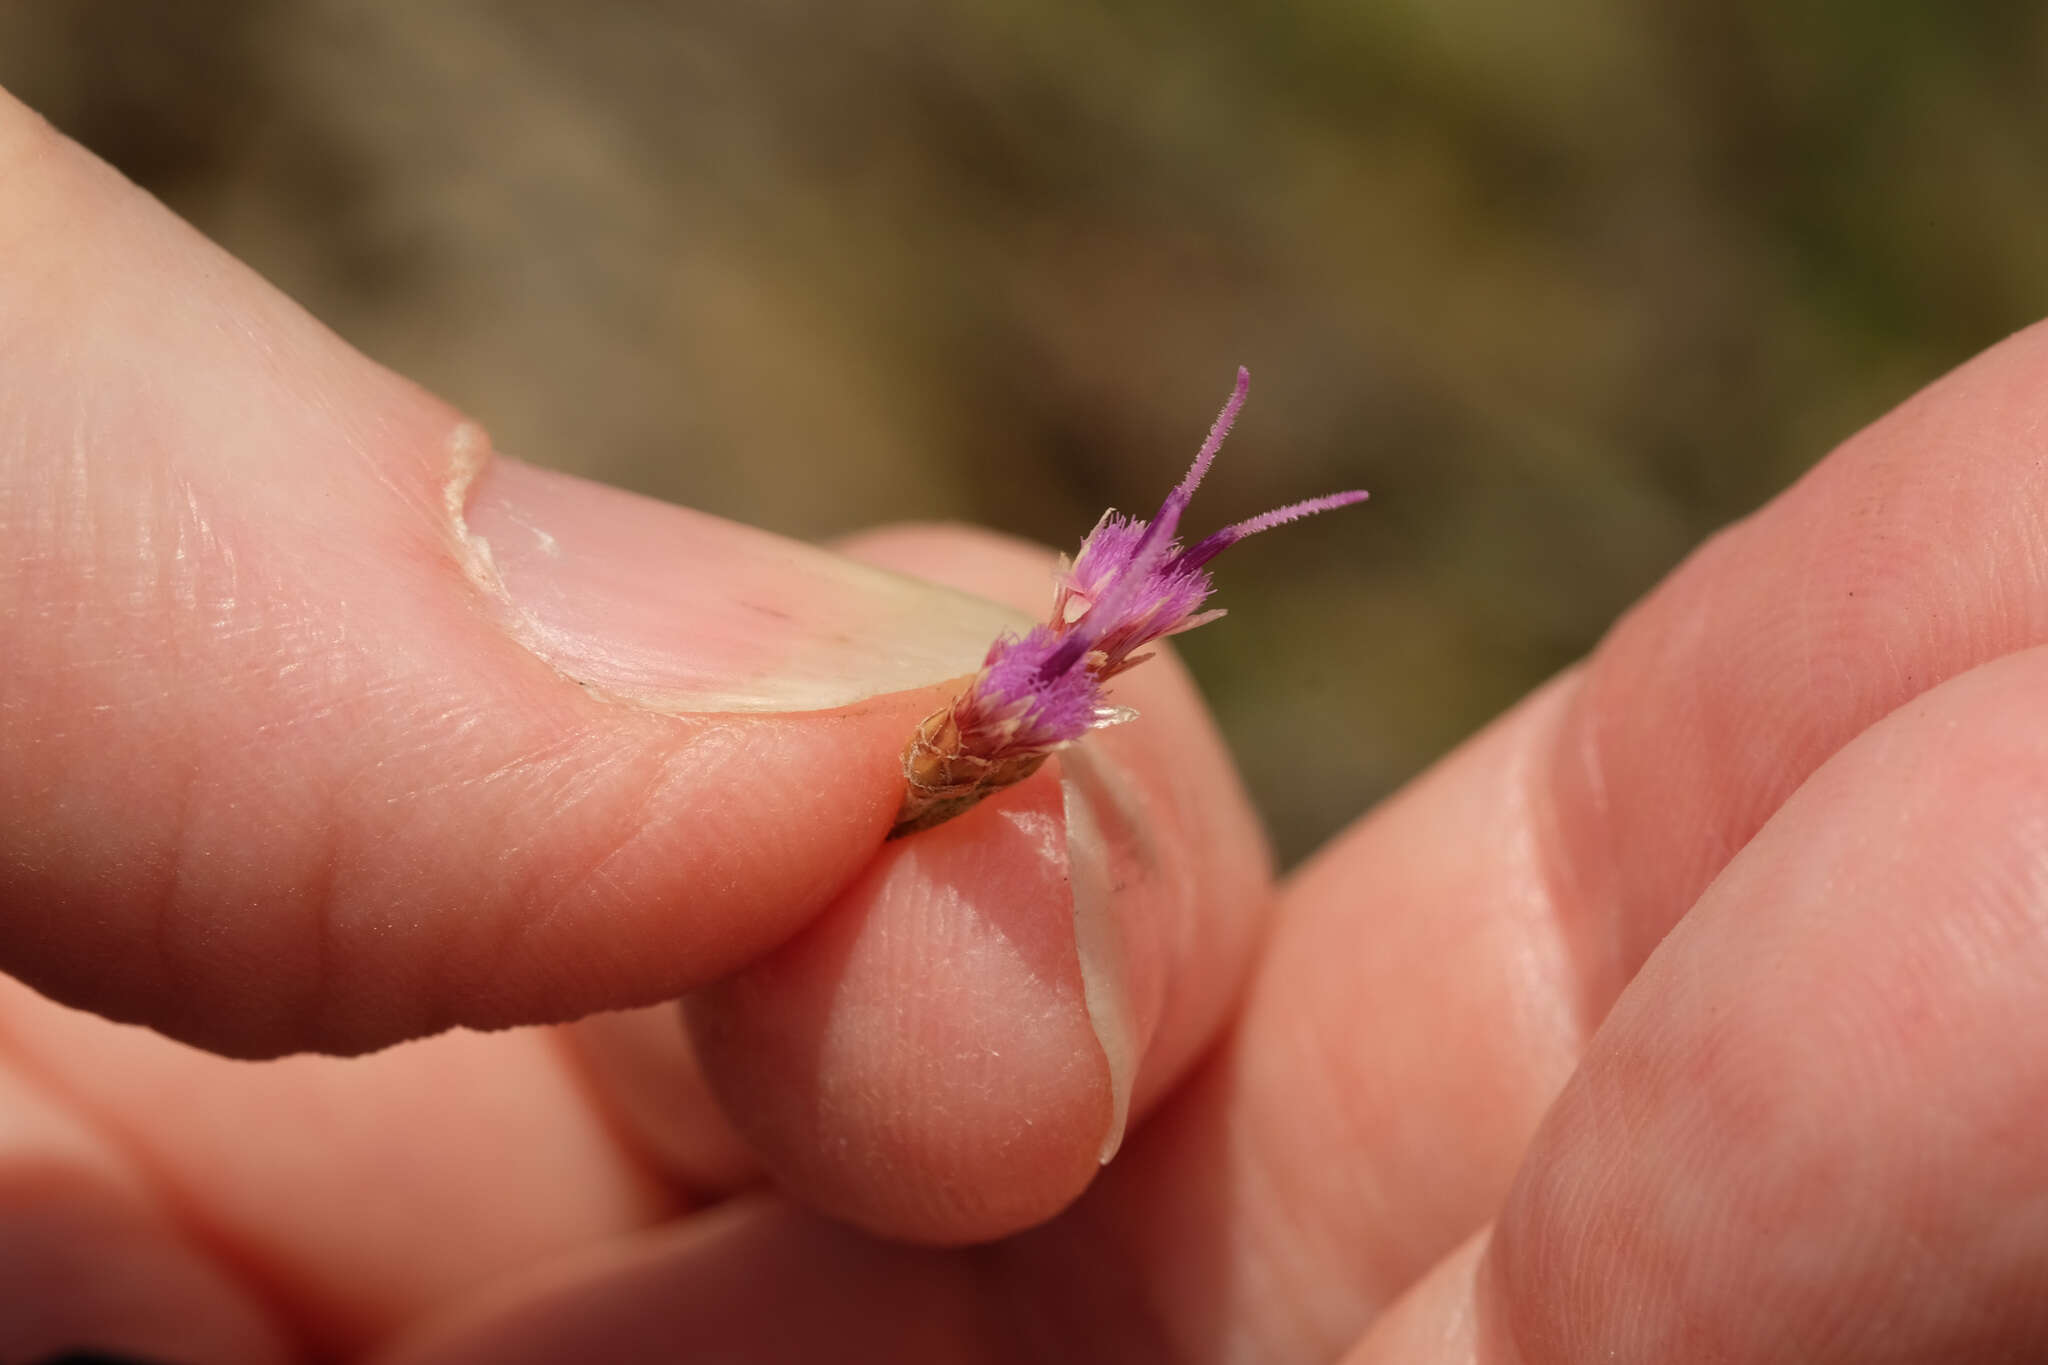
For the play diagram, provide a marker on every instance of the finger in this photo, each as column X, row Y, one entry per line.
column 1809, row 1129
column 951, row 1049
column 321, row 730
column 91, row 1260
column 362, row 1193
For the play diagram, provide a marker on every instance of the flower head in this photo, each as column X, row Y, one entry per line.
column 1027, row 696
column 1131, row 584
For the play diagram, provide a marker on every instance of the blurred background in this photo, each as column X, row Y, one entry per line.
column 1566, row 285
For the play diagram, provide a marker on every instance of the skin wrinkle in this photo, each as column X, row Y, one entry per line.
column 307, row 696
column 1306, row 1316
column 1547, row 869
column 677, row 768
column 1350, row 1105
column 325, row 898
column 169, row 976
column 519, row 929
column 1585, row 835
column 182, row 579
column 476, row 948
column 554, row 754
column 320, row 884
column 318, row 1016
column 194, row 544
column 1559, row 882
column 1560, row 861
column 429, row 737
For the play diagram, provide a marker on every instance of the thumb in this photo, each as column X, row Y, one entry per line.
column 320, row 729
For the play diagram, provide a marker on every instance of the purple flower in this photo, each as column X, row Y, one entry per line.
column 1132, row 583
column 1028, row 695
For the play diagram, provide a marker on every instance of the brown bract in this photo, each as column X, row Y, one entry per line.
column 942, row 779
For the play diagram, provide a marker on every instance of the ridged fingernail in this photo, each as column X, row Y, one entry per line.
column 676, row 610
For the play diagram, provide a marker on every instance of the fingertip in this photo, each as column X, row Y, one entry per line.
column 920, row 1061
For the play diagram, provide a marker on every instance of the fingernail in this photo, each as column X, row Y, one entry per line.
column 676, row 610
column 1110, row 863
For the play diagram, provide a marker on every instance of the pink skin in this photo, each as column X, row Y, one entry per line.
column 1693, row 1011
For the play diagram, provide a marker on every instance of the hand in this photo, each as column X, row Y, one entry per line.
column 1692, row 1011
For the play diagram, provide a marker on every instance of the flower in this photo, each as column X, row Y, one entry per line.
column 1131, row 583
